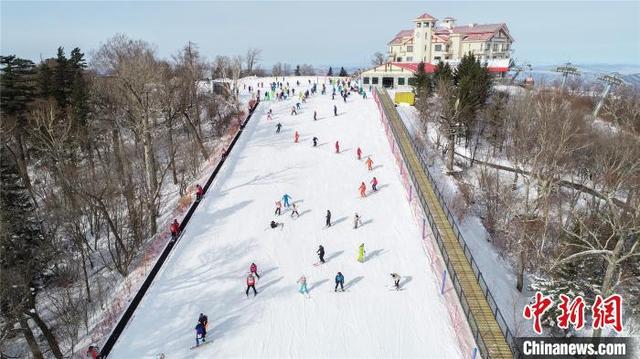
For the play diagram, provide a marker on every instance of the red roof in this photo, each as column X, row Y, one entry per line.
column 429, row 68
column 478, row 29
column 498, row 69
column 401, row 36
column 413, row 66
column 426, row 16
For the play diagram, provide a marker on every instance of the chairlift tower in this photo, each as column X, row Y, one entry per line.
column 611, row 80
column 566, row 70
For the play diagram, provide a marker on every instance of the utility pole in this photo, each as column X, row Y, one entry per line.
column 611, row 80
column 566, row 70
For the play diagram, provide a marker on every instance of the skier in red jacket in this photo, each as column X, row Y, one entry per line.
column 92, row 352
column 296, row 136
column 199, row 192
column 251, row 283
column 175, row 229
column 359, row 153
column 337, row 147
column 363, row 190
column 253, row 269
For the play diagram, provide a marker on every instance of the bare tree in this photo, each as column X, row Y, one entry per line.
column 252, row 58
column 378, row 59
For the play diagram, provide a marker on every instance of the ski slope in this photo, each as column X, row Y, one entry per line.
column 206, row 271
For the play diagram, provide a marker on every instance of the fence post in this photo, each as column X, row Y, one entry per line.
column 423, row 228
column 444, row 278
column 410, row 192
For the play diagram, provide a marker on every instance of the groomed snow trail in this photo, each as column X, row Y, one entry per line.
column 206, row 271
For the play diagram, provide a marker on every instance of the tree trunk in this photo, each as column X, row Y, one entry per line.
column 521, row 267
column 612, row 266
column 450, row 152
column 150, row 171
column 195, row 134
column 51, row 339
column 31, row 340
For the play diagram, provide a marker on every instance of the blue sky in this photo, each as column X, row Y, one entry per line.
column 320, row 32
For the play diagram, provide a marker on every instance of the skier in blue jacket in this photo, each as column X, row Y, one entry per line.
column 201, row 333
column 285, row 200
column 339, row 281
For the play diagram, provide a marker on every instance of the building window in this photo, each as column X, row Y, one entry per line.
column 398, row 59
column 438, row 47
column 418, row 24
column 436, row 58
column 400, row 81
column 365, row 80
column 495, row 47
column 409, row 58
column 374, row 80
column 409, row 48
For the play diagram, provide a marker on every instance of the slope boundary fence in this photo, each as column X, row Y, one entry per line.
column 487, row 324
column 133, row 305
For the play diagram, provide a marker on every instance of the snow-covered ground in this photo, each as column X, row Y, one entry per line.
column 206, row 272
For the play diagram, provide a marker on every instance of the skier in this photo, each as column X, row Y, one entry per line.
column 321, row 253
column 359, row 153
column 251, row 284
column 315, row 141
column 296, row 137
column 278, row 208
column 93, row 352
column 293, row 110
column 361, row 253
column 275, row 224
column 285, row 199
column 337, row 147
column 297, row 106
column 374, row 183
column 204, row 320
column 315, row 115
column 201, row 334
column 328, row 219
column 339, row 281
column 199, row 192
column 356, row 221
column 369, row 163
column 303, row 285
column 294, row 210
column 363, row 190
column 396, row 280
column 175, row 229
column 253, row 269
column 278, row 127
column 335, row 110
column 269, row 118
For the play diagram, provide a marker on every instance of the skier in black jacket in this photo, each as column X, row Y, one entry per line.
column 321, row 253
column 328, row 218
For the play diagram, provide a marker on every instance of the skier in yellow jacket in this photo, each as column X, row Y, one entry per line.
column 361, row 253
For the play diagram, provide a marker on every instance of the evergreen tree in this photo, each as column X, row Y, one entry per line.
column 297, row 71
column 422, row 82
column 442, row 71
column 61, row 79
column 330, row 73
column 473, row 87
column 24, row 251
column 17, row 86
column 78, row 92
column 343, row 72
